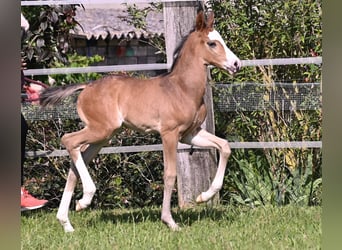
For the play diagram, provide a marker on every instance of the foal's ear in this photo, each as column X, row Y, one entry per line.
column 210, row 21
column 200, row 21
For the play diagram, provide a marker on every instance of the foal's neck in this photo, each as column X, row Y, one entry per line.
column 190, row 73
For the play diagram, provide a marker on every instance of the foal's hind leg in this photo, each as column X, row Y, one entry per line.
column 74, row 142
column 202, row 138
column 62, row 214
column 88, row 155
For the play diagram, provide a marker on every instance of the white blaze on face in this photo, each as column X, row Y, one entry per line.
column 232, row 63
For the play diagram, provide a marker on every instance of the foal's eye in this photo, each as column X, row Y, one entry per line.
column 211, row 44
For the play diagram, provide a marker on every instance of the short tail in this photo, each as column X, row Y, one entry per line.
column 54, row 95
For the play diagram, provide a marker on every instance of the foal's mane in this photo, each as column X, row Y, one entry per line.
column 177, row 52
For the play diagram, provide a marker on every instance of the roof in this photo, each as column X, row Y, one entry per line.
column 108, row 22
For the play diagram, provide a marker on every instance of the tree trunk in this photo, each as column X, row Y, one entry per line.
column 195, row 168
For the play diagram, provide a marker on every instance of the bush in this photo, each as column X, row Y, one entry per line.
column 272, row 29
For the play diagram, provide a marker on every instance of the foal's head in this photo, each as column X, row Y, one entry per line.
column 213, row 49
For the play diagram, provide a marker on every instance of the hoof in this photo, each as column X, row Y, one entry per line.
column 174, row 227
column 79, row 206
column 199, row 199
column 67, row 226
column 171, row 224
column 68, row 229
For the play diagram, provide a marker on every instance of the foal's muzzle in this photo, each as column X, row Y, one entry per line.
column 234, row 67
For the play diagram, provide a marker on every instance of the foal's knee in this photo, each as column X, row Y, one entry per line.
column 169, row 179
column 225, row 149
column 65, row 141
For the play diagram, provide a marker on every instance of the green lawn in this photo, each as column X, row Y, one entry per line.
column 221, row 227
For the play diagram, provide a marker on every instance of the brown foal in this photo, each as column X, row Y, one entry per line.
column 171, row 105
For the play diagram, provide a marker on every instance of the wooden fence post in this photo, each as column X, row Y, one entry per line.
column 194, row 171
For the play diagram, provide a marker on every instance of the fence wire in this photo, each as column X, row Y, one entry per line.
column 256, row 96
column 226, row 97
column 65, row 110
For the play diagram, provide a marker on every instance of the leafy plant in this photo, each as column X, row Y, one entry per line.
column 76, row 60
column 252, row 183
column 48, row 41
column 271, row 29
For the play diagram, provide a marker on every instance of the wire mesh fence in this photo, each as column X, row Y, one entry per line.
column 65, row 110
column 255, row 96
column 226, row 97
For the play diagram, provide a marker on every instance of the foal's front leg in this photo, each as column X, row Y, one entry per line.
column 202, row 138
column 169, row 153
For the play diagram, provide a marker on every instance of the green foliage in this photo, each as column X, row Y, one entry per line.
column 272, row 29
column 48, row 41
column 76, row 60
column 252, row 183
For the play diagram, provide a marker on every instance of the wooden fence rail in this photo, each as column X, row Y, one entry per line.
column 160, row 66
column 181, row 146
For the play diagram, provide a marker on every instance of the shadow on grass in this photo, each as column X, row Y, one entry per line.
column 184, row 217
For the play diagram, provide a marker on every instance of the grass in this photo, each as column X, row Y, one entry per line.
column 288, row 227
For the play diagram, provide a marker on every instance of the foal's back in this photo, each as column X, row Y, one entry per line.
column 143, row 104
